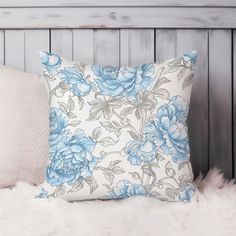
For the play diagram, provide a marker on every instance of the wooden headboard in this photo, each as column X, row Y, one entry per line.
column 128, row 32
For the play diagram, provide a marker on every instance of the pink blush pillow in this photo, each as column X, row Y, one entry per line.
column 23, row 127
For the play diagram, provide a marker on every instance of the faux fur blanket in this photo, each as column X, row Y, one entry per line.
column 212, row 212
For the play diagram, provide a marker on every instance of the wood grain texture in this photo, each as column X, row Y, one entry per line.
column 15, row 49
column 220, row 100
column 62, row 43
column 35, row 41
column 118, row 17
column 188, row 40
column 136, row 46
column 83, row 45
column 22, row 48
column 166, row 41
column 2, row 50
column 64, row 3
column 106, row 47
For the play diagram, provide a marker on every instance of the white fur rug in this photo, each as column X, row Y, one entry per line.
column 212, row 212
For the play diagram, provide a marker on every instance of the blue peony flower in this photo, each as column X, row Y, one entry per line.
column 106, row 72
column 75, row 80
column 107, row 81
column 58, row 124
column 180, row 108
column 192, row 56
column 169, row 131
column 140, row 151
column 123, row 81
column 186, row 194
column 72, row 161
column 125, row 189
column 50, row 61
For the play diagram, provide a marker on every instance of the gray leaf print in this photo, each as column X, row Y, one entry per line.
column 107, row 141
column 91, row 181
column 187, row 81
column 96, row 133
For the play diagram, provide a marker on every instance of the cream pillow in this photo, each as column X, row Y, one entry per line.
column 23, row 127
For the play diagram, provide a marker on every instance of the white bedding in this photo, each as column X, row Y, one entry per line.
column 212, row 212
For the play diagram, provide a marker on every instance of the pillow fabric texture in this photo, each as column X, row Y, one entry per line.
column 23, row 127
column 117, row 132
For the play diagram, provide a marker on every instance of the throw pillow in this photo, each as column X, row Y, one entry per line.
column 117, row 132
column 23, row 127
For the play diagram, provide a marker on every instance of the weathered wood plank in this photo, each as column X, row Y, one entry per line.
column 15, row 49
column 106, row 47
column 66, row 3
column 234, row 101
column 35, row 41
column 62, row 43
column 188, row 40
column 83, row 45
column 165, row 44
column 220, row 100
column 22, row 47
column 2, row 50
column 136, row 46
column 118, row 17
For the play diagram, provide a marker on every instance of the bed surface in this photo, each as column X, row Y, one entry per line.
column 212, row 212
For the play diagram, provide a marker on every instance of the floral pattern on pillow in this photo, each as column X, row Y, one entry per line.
column 117, row 132
column 124, row 81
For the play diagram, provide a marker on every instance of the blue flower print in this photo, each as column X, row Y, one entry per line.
column 169, row 131
column 107, row 81
column 42, row 194
column 186, row 194
column 106, row 72
column 140, row 151
column 72, row 161
column 123, row 81
column 125, row 189
column 192, row 56
column 179, row 107
column 136, row 79
column 50, row 61
column 75, row 80
column 58, row 123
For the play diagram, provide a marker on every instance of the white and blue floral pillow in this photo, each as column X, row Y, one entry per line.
column 117, row 132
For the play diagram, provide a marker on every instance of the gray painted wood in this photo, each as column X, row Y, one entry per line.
column 136, row 46
column 118, row 17
column 220, row 100
column 35, row 41
column 83, row 45
column 64, row 3
column 106, row 47
column 62, row 43
column 188, row 40
column 22, row 47
column 14, row 49
column 2, row 50
column 76, row 44
column 165, row 44
column 234, row 101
